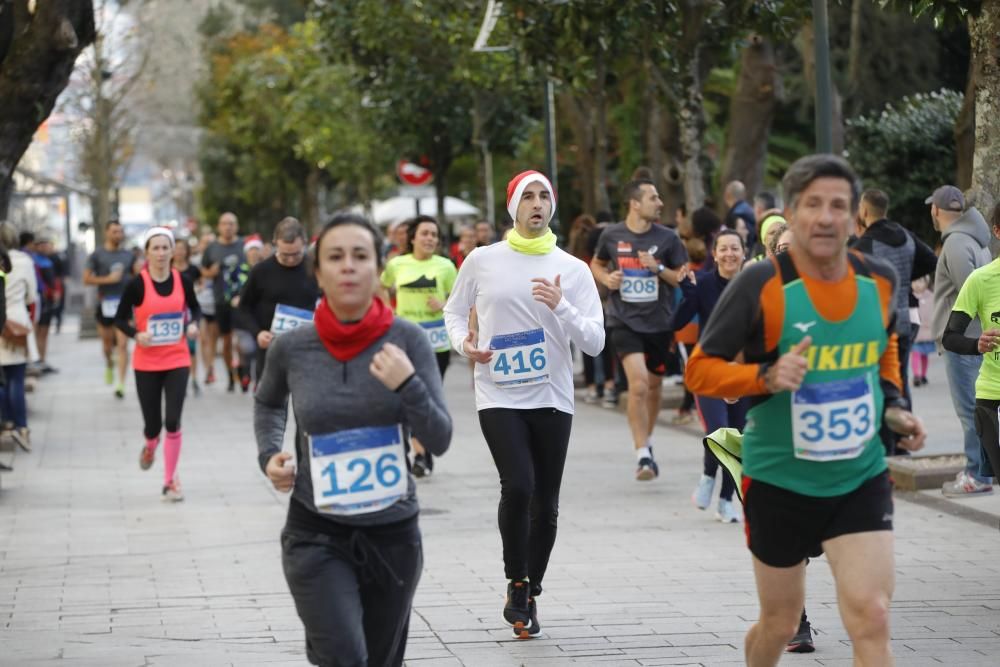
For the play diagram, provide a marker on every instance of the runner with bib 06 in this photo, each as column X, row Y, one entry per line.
column 359, row 380
column 532, row 299
column 421, row 281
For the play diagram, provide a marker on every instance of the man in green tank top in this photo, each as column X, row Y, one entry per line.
column 810, row 336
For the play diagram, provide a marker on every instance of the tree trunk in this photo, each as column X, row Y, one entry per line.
column 985, row 38
column 965, row 128
column 854, row 53
column 751, row 110
column 310, row 201
column 600, row 125
column 34, row 71
column 578, row 111
column 806, row 45
column 691, row 121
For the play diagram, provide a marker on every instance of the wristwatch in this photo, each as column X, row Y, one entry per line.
column 660, row 269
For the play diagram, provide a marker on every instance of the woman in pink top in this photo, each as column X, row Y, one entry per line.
column 163, row 306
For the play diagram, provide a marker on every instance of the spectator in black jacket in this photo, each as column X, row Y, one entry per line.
column 912, row 258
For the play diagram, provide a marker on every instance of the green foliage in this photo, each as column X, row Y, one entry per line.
column 415, row 60
column 944, row 12
column 907, row 149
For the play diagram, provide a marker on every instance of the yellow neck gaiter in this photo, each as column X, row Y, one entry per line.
column 542, row 245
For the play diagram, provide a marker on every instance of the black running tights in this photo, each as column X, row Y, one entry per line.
column 529, row 450
column 152, row 387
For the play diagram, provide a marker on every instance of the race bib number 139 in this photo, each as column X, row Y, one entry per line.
column 166, row 328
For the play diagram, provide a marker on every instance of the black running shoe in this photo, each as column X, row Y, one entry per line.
column 536, row 629
column 647, row 469
column 420, row 467
column 516, row 612
column 802, row 642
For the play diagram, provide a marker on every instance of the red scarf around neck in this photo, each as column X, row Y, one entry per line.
column 347, row 340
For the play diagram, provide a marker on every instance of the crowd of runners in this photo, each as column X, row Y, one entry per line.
column 794, row 325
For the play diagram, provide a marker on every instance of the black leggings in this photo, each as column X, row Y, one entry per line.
column 988, row 428
column 529, row 450
column 151, row 386
column 353, row 593
column 443, row 359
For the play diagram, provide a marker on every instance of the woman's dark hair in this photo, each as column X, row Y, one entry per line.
column 350, row 219
column 705, row 223
column 414, row 224
column 995, row 216
column 727, row 232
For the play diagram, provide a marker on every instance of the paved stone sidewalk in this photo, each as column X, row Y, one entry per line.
column 95, row 570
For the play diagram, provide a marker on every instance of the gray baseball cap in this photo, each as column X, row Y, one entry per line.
column 947, row 198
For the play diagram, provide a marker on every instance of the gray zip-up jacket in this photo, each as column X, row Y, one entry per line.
column 330, row 396
column 965, row 247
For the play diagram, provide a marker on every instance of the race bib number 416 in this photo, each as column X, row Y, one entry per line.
column 639, row 286
column 358, row 471
column 519, row 359
column 165, row 328
column 833, row 421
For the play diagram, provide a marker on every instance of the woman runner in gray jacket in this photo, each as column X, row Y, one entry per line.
column 361, row 381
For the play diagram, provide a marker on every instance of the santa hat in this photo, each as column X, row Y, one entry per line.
column 157, row 231
column 515, row 190
column 252, row 242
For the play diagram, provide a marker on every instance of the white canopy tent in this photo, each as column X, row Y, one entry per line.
column 396, row 209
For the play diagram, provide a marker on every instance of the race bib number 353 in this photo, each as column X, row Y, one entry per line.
column 165, row 328
column 639, row 286
column 833, row 421
column 519, row 359
column 358, row 471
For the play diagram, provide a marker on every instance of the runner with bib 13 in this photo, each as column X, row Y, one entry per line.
column 809, row 336
column 532, row 299
column 360, row 380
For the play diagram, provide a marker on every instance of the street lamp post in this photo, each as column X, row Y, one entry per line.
column 824, row 102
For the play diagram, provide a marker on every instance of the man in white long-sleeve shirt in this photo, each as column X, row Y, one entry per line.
column 532, row 299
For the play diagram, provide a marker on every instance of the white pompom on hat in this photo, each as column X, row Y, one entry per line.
column 157, row 231
column 515, row 190
column 252, row 242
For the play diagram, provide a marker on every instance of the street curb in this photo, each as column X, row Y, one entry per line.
column 942, row 504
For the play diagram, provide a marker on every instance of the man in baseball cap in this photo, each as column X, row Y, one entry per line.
column 947, row 198
column 965, row 240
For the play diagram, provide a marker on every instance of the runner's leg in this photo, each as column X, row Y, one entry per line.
column 782, row 592
column 863, row 568
column 508, row 436
column 387, row 606
column 174, row 389
column 149, row 388
column 638, row 398
column 327, row 595
column 550, row 431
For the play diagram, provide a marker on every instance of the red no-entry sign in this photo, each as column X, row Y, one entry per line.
column 413, row 174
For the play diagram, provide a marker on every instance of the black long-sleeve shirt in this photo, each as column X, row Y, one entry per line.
column 269, row 284
column 135, row 292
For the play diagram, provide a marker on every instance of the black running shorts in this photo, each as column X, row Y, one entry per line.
column 224, row 316
column 654, row 346
column 784, row 528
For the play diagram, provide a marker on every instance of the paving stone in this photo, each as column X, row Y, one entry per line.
column 106, row 574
